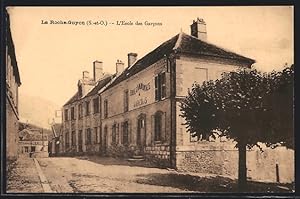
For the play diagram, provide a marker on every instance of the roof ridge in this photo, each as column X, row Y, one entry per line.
column 216, row 46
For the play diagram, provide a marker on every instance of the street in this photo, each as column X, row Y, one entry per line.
column 93, row 174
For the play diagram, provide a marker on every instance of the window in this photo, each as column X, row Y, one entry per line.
column 160, row 86
column 126, row 97
column 73, row 113
column 66, row 115
column 73, row 143
column 125, row 139
column 80, row 111
column 87, row 108
column 32, row 148
column 88, row 136
column 96, row 135
column 96, row 105
column 67, row 140
column 105, row 108
column 114, row 134
column 158, row 127
column 26, row 149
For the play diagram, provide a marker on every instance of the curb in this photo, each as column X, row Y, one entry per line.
column 43, row 179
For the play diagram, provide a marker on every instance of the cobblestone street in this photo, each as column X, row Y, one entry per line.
column 108, row 175
column 23, row 177
column 94, row 174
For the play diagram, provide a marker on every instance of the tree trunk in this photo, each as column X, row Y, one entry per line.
column 242, row 178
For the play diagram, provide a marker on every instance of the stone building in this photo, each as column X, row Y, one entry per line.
column 33, row 141
column 139, row 114
column 81, row 114
column 12, row 84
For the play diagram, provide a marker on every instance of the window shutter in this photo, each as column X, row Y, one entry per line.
column 163, row 85
column 156, row 87
column 129, row 133
column 159, row 87
column 152, row 128
column 164, row 127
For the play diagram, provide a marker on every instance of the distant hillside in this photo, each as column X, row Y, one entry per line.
column 36, row 110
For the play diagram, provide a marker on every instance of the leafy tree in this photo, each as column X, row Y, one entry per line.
column 243, row 106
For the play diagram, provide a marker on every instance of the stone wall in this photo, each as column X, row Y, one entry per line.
column 12, row 128
column 261, row 166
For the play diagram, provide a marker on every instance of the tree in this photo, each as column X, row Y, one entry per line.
column 242, row 106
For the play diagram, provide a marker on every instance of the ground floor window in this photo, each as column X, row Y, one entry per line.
column 125, row 139
column 158, row 126
column 67, row 140
column 73, row 138
column 88, row 136
column 96, row 135
column 33, row 149
column 114, row 134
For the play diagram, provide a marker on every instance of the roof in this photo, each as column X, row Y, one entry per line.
column 180, row 43
column 74, row 98
column 11, row 52
column 100, row 84
column 32, row 135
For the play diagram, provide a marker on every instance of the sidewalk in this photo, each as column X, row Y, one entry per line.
column 23, row 177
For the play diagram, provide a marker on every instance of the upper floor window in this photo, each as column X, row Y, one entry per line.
column 87, row 107
column 160, row 86
column 105, row 108
column 66, row 115
column 96, row 105
column 73, row 113
column 126, row 100
column 80, row 110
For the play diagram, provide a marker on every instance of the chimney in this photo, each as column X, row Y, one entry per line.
column 97, row 70
column 119, row 67
column 198, row 29
column 131, row 58
column 85, row 75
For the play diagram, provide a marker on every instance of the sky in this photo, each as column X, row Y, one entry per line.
column 51, row 57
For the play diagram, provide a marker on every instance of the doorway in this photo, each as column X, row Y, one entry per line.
column 141, row 133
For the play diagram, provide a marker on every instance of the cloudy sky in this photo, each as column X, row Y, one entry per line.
column 51, row 57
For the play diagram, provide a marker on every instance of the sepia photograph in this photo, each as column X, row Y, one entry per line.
column 161, row 99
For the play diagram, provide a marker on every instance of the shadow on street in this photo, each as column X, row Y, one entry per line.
column 208, row 184
column 116, row 161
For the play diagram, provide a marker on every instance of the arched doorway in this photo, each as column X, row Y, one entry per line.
column 141, row 133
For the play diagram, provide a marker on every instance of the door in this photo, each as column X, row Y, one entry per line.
column 80, row 141
column 141, row 133
column 105, row 140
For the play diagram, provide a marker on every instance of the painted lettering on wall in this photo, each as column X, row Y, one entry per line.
column 140, row 86
column 140, row 102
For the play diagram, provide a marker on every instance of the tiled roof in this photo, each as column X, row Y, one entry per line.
column 100, row 84
column 182, row 43
column 11, row 51
column 74, row 98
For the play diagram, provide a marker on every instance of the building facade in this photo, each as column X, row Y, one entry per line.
column 139, row 109
column 33, row 142
column 12, row 84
